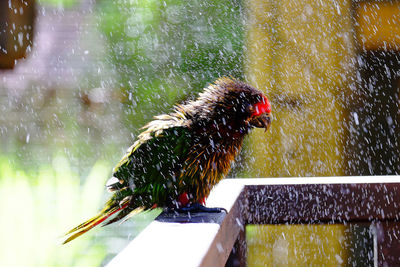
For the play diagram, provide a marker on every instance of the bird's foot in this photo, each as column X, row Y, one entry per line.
column 197, row 207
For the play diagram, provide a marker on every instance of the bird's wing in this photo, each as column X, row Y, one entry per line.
column 152, row 165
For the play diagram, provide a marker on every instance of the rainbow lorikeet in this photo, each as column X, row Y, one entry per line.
column 180, row 156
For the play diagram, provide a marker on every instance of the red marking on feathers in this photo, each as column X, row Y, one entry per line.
column 108, row 215
column 183, row 199
column 262, row 107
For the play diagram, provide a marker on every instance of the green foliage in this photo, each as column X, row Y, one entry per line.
column 164, row 51
column 161, row 52
column 36, row 208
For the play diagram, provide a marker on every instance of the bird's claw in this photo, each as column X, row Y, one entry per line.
column 197, row 207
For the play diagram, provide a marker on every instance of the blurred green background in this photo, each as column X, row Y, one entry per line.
column 93, row 74
column 78, row 78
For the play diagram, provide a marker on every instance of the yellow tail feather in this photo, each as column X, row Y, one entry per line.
column 89, row 224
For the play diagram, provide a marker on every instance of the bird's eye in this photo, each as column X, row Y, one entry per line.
column 250, row 109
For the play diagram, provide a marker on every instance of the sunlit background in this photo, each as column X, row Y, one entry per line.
column 78, row 78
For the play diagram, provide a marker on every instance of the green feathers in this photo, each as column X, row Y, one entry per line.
column 145, row 178
column 185, row 153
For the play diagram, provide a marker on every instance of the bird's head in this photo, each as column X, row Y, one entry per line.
column 259, row 113
column 233, row 104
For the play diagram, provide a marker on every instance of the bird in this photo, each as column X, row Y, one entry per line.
column 179, row 157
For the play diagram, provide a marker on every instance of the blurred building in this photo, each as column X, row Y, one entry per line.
column 332, row 69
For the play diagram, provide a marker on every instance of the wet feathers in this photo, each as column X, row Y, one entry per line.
column 185, row 152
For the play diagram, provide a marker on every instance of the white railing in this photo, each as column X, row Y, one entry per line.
column 209, row 239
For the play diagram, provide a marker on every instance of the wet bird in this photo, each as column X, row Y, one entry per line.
column 179, row 157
